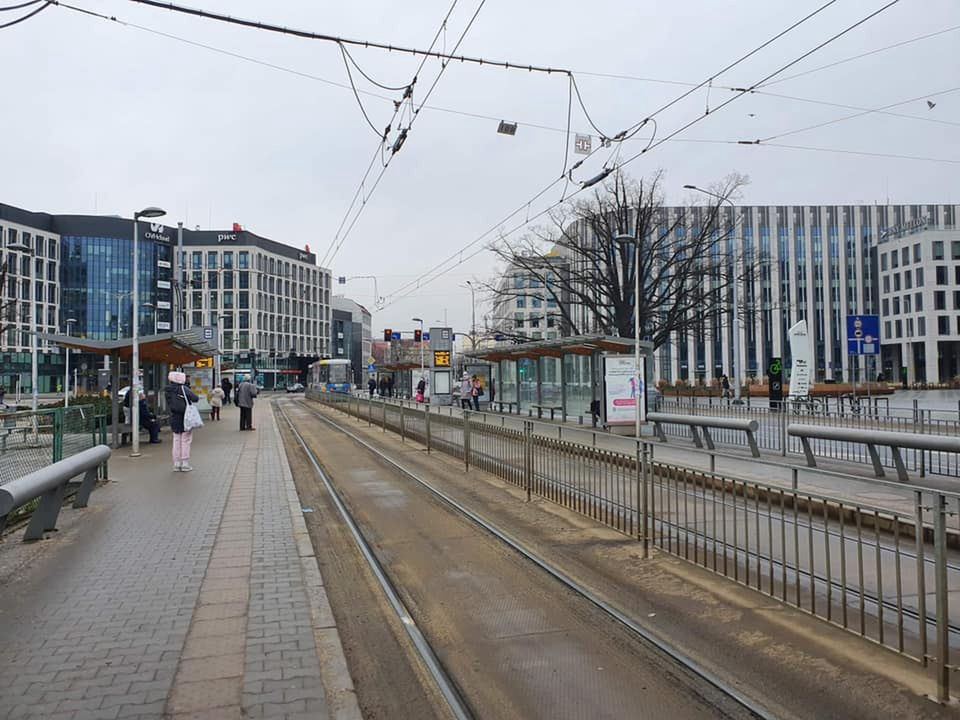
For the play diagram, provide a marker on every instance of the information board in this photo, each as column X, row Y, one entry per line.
column 624, row 388
column 863, row 334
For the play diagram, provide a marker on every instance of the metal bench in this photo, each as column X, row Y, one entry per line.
column 702, row 424
column 501, row 403
column 50, row 484
column 540, row 408
column 872, row 438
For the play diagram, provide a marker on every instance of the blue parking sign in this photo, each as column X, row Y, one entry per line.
column 863, row 334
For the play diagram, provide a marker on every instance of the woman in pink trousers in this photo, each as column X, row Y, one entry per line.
column 178, row 395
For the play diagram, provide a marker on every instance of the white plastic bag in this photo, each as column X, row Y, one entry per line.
column 191, row 416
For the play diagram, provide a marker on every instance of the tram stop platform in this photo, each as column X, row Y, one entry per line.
column 175, row 595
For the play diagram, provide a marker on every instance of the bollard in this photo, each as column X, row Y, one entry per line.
column 466, row 440
column 403, row 436
column 426, row 424
column 527, row 457
column 794, row 477
column 384, row 415
column 713, row 463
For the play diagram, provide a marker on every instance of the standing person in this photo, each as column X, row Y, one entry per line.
column 466, row 389
column 383, row 387
column 372, row 386
column 178, row 396
column 216, row 402
column 422, row 390
column 3, row 395
column 476, row 390
column 246, row 392
column 227, row 387
column 493, row 392
column 725, row 384
column 389, row 385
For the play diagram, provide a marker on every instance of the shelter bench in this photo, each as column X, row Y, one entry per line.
column 500, row 404
column 540, row 408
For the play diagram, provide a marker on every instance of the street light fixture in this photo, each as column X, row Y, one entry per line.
column 736, row 304
column 147, row 212
column 628, row 239
column 419, row 320
column 24, row 248
column 66, row 372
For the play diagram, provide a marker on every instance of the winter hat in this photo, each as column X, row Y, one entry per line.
column 175, row 376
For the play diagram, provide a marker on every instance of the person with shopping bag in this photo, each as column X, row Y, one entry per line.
column 184, row 418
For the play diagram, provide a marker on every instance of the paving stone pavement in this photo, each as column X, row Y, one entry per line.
column 176, row 595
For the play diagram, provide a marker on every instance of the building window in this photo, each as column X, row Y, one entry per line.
column 921, row 326
column 896, row 306
column 196, row 260
column 522, row 301
column 894, row 260
column 916, row 253
column 940, row 300
column 243, row 300
column 197, row 319
column 212, row 260
column 919, row 276
column 213, row 280
column 886, row 283
column 228, row 281
column 943, row 324
column 906, row 305
column 228, row 300
column 899, row 326
column 883, row 261
column 956, row 275
column 244, row 280
column 942, row 275
column 537, row 302
column 938, row 250
column 909, row 327
column 244, row 260
column 905, row 256
column 228, row 259
column 956, row 299
column 886, row 306
column 896, row 282
column 886, row 329
column 907, row 280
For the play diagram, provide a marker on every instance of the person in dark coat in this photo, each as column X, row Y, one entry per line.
column 227, row 386
column 372, row 387
column 178, row 395
column 148, row 421
column 246, row 392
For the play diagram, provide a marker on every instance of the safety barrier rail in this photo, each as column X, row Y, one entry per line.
column 50, row 485
column 883, row 573
column 895, row 441
column 702, row 424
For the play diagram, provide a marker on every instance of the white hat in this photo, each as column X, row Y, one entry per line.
column 176, row 376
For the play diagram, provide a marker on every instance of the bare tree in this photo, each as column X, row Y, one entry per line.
column 686, row 261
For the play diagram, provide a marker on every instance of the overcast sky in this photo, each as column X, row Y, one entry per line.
column 100, row 117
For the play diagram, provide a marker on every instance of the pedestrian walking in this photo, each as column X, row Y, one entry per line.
column 216, row 402
column 466, row 389
column 725, row 385
column 246, row 392
column 383, row 387
column 372, row 387
column 476, row 390
column 227, row 387
column 179, row 398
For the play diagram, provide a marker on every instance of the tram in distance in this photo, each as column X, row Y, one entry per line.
column 332, row 376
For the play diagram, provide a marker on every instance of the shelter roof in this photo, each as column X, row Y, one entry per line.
column 177, row 348
column 558, row 347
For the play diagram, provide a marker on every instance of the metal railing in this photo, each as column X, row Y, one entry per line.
column 30, row 441
column 883, row 574
column 772, row 433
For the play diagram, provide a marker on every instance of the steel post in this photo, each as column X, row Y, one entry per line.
column 466, row 440
column 403, row 429
column 942, row 590
column 426, row 424
column 528, row 456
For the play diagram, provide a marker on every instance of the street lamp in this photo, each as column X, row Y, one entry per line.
column 473, row 317
column 66, row 372
column 147, row 212
column 736, row 303
column 419, row 320
column 24, row 248
column 627, row 239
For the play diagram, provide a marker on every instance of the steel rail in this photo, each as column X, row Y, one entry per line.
column 447, row 687
column 651, row 638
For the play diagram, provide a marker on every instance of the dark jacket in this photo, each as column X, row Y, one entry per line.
column 171, row 393
column 226, row 385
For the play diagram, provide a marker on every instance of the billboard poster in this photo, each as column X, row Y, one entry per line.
column 623, row 389
column 201, row 380
column 802, row 354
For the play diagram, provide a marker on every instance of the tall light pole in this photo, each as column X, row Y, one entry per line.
column 625, row 239
column 473, row 317
column 418, row 320
column 736, row 302
column 24, row 248
column 66, row 371
column 147, row 212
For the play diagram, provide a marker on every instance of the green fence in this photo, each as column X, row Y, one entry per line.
column 32, row 440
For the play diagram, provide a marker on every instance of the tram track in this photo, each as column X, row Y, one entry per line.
column 741, row 704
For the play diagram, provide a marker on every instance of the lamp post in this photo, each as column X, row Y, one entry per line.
column 625, row 239
column 66, row 371
column 419, row 320
column 147, row 212
column 473, row 317
column 24, row 248
column 736, row 303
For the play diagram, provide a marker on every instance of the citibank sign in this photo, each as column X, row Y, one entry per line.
column 157, row 232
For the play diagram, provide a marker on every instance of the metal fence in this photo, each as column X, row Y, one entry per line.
column 882, row 574
column 30, row 441
column 772, row 434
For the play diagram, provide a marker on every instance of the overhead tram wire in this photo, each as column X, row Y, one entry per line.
column 425, row 278
column 20, row 6
column 22, row 18
column 834, row 121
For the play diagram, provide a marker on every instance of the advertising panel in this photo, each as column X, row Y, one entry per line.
column 623, row 389
column 802, row 354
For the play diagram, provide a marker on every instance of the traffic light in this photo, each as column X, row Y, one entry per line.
column 417, row 335
column 387, row 335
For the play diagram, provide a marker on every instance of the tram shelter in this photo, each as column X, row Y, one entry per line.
column 161, row 351
column 564, row 374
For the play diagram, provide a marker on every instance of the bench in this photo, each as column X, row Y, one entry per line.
column 541, row 407
column 702, row 424
column 501, row 403
column 125, row 429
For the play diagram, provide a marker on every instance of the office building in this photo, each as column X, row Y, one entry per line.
column 523, row 307
column 350, row 336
